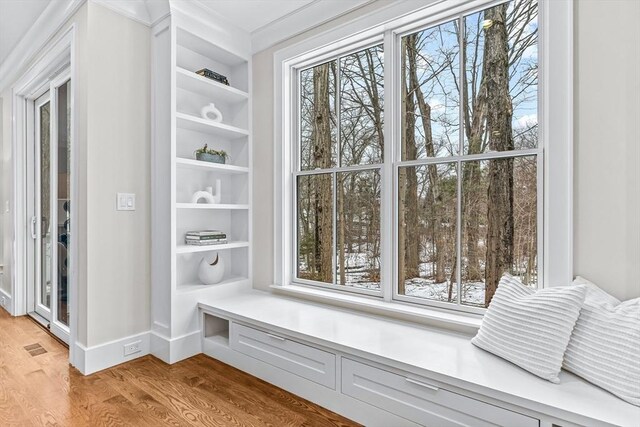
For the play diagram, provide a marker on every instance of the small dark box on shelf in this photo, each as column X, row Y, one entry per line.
column 205, row 72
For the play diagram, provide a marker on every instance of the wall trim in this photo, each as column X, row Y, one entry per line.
column 172, row 350
column 50, row 21
column 99, row 357
column 6, row 301
column 299, row 21
column 145, row 12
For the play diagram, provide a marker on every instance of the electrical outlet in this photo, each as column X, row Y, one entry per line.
column 132, row 347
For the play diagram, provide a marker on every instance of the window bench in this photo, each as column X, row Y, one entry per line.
column 382, row 372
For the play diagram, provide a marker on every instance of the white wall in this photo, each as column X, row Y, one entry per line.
column 606, row 239
column 113, row 146
column 607, row 141
column 118, row 160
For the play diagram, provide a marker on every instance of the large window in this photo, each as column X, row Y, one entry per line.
column 458, row 179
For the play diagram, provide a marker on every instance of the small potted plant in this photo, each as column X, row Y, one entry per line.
column 206, row 154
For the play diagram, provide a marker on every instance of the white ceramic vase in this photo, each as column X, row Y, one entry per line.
column 210, row 112
column 207, row 195
column 211, row 273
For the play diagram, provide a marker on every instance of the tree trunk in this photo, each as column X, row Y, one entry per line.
column 500, row 175
column 433, row 197
column 474, row 118
column 322, row 159
column 412, row 243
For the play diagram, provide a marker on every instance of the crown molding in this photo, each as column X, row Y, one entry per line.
column 300, row 20
column 146, row 12
column 46, row 26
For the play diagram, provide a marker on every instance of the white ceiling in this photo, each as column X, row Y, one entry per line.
column 269, row 20
column 16, row 17
column 251, row 15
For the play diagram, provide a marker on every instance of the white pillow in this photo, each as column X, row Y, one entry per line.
column 605, row 345
column 530, row 328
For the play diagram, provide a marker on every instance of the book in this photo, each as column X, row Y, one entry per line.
column 205, row 72
column 205, row 233
column 217, row 237
column 206, row 242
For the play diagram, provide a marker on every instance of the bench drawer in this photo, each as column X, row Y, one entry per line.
column 304, row 360
column 421, row 402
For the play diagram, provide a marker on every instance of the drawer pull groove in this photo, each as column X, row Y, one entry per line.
column 275, row 337
column 421, row 384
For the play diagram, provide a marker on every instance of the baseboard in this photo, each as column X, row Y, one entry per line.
column 172, row 350
column 6, row 302
column 89, row 360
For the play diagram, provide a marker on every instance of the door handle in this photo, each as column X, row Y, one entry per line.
column 34, row 220
column 421, row 384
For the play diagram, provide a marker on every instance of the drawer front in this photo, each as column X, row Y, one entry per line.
column 421, row 402
column 300, row 359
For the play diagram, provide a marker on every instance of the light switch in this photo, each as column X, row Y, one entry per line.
column 126, row 202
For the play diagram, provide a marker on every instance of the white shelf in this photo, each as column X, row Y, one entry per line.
column 189, row 249
column 191, row 287
column 186, row 39
column 213, row 167
column 211, row 206
column 189, row 122
column 192, row 82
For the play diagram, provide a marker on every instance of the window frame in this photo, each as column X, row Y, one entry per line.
column 390, row 23
column 333, row 171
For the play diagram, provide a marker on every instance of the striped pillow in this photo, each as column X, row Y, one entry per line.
column 530, row 328
column 605, row 345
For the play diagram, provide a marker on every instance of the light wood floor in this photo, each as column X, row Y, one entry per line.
column 40, row 388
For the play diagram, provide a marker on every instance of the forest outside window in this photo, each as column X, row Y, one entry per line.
column 339, row 179
column 466, row 162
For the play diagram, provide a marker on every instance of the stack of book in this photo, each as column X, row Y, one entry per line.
column 205, row 237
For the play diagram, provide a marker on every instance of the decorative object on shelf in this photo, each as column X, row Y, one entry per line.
column 211, row 273
column 205, row 72
column 205, row 238
column 205, row 195
column 208, row 195
column 210, row 112
column 206, row 154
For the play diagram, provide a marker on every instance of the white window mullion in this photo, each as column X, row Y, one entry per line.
column 460, row 167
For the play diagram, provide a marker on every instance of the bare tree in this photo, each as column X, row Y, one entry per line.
column 322, row 159
column 499, row 114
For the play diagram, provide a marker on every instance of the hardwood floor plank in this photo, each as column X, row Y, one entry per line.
column 43, row 390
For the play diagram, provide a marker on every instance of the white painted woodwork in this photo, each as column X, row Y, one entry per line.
column 428, row 355
column 423, row 402
column 184, row 43
column 303, row 360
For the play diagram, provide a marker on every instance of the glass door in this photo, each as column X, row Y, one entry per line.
column 41, row 221
column 51, row 220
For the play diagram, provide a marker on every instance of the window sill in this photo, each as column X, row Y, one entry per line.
column 459, row 322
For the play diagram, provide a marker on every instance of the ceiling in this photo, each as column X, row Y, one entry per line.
column 269, row 21
column 251, row 15
column 16, row 17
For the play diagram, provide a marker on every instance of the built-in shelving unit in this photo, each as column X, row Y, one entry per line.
column 183, row 45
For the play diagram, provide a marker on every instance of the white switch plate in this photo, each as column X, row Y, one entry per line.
column 126, row 202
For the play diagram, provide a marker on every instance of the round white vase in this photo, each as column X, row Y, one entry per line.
column 211, row 273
